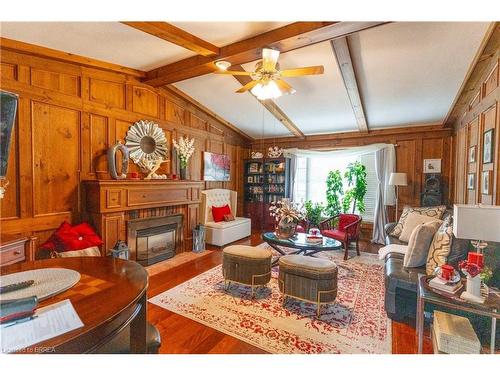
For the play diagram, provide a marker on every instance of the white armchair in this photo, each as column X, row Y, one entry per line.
column 224, row 232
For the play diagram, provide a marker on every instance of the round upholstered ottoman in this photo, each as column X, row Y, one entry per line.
column 307, row 278
column 246, row 265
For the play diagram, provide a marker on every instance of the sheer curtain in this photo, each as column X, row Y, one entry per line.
column 385, row 164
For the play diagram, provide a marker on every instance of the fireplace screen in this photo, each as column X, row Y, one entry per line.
column 152, row 240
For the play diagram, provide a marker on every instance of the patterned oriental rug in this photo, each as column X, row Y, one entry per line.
column 356, row 323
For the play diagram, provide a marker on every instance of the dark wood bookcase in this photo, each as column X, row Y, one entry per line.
column 266, row 180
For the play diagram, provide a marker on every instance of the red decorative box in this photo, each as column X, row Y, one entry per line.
column 476, row 258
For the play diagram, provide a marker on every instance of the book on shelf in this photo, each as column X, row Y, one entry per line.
column 454, row 334
column 444, row 285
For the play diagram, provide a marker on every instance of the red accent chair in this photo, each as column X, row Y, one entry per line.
column 347, row 230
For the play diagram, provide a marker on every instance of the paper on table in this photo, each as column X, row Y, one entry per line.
column 49, row 321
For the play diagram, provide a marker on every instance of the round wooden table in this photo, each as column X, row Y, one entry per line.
column 110, row 297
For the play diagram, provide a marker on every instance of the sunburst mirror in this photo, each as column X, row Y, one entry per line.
column 146, row 141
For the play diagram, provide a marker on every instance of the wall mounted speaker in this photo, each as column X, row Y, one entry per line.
column 432, row 183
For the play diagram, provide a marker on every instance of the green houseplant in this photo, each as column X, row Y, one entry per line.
column 334, row 192
column 354, row 196
column 314, row 213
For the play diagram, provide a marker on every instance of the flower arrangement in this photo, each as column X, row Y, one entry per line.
column 469, row 269
column 286, row 211
column 185, row 149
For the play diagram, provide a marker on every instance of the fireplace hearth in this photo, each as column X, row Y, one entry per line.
column 154, row 239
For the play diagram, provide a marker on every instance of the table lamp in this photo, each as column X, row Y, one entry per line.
column 479, row 222
column 398, row 179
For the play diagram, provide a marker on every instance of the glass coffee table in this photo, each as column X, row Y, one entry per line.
column 299, row 242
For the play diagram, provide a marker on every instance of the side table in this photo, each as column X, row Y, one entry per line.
column 425, row 293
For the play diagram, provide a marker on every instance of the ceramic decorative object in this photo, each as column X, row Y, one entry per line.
column 274, row 152
column 257, row 155
column 118, row 146
column 285, row 229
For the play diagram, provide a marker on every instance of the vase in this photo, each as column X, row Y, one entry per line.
column 473, row 286
column 183, row 173
column 285, row 230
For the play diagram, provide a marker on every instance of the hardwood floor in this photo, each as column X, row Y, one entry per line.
column 181, row 335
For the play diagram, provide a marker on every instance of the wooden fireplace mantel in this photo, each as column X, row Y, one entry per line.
column 108, row 202
column 104, row 196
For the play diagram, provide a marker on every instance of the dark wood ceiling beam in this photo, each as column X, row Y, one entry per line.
column 270, row 105
column 286, row 38
column 173, row 34
column 341, row 50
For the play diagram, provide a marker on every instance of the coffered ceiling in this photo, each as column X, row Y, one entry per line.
column 393, row 74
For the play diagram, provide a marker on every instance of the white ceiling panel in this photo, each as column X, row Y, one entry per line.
column 217, row 92
column 321, row 104
column 410, row 72
column 224, row 33
column 108, row 41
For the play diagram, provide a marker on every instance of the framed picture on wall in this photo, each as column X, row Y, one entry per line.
column 472, row 154
column 471, row 181
column 432, row 165
column 216, row 167
column 486, row 183
column 488, row 146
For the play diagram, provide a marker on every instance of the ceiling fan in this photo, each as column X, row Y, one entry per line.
column 267, row 79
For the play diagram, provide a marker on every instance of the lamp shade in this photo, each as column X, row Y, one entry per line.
column 398, row 179
column 476, row 222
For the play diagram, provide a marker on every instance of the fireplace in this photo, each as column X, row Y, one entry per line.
column 154, row 239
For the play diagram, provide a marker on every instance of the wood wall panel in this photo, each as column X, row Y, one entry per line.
column 461, row 166
column 8, row 71
column 471, row 195
column 56, row 159
column 491, row 82
column 109, row 93
column 69, row 114
column 145, row 101
column 56, row 81
column 488, row 121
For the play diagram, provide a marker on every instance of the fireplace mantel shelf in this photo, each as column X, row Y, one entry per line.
column 105, row 196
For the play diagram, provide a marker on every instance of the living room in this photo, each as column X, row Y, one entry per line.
column 186, row 185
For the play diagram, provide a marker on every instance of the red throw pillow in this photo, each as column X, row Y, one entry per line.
column 219, row 212
column 52, row 243
column 68, row 238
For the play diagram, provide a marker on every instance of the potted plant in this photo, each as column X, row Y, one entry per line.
column 354, row 196
column 313, row 213
column 287, row 215
column 185, row 149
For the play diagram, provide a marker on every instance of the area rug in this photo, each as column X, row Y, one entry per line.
column 356, row 323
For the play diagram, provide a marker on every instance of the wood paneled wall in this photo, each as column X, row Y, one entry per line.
column 479, row 112
column 69, row 114
column 413, row 145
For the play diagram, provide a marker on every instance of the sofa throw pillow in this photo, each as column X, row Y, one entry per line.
column 229, row 217
column 412, row 221
column 52, row 244
column 219, row 212
column 440, row 247
column 435, row 212
column 76, row 237
column 419, row 243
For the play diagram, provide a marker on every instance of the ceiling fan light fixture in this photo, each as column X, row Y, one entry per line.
column 266, row 91
column 222, row 64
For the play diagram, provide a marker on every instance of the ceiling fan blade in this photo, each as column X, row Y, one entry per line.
column 233, row 72
column 305, row 71
column 250, row 85
column 285, row 87
column 269, row 59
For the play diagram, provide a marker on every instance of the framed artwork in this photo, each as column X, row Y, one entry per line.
column 8, row 109
column 486, row 183
column 216, row 167
column 472, row 154
column 432, row 165
column 488, row 146
column 471, row 181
